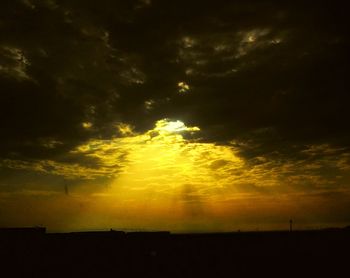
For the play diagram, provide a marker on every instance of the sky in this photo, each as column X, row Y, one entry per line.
column 187, row 116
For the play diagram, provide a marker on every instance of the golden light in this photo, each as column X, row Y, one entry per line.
column 162, row 175
column 159, row 180
column 125, row 129
column 183, row 87
column 173, row 126
column 87, row 125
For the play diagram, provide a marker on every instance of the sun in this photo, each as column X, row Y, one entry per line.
column 168, row 126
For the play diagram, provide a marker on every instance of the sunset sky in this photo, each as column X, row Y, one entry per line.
column 174, row 115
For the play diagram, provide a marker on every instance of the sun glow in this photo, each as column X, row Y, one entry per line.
column 161, row 179
column 166, row 126
column 162, row 174
column 183, row 87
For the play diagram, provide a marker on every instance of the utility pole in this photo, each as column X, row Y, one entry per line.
column 290, row 225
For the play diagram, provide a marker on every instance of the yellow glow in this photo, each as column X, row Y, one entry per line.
column 173, row 126
column 251, row 38
column 149, row 104
column 125, row 129
column 161, row 180
column 87, row 125
column 162, row 175
column 183, row 87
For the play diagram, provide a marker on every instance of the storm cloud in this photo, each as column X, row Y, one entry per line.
column 266, row 79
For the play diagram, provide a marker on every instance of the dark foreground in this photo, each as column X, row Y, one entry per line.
column 118, row 254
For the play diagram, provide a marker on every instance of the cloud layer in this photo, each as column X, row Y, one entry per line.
column 86, row 86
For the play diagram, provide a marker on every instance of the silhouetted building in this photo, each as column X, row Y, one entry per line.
column 23, row 232
column 96, row 234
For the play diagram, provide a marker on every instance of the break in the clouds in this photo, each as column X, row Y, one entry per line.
column 217, row 110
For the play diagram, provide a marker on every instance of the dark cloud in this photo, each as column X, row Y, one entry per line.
column 267, row 74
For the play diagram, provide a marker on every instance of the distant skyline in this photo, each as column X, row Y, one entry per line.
column 174, row 115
